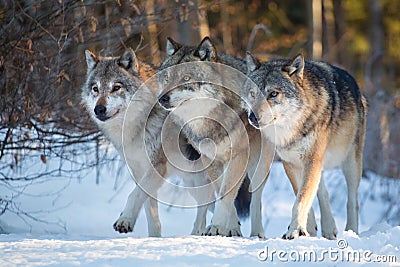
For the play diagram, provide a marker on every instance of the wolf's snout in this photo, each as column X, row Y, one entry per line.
column 100, row 110
column 164, row 101
column 253, row 120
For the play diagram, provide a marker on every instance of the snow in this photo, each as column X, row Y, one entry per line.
column 76, row 218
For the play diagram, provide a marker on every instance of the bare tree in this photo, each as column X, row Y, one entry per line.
column 204, row 29
column 152, row 32
column 340, row 32
column 226, row 28
column 315, row 25
column 329, row 47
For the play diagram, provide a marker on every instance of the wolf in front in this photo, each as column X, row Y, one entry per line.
column 315, row 114
column 225, row 123
column 111, row 83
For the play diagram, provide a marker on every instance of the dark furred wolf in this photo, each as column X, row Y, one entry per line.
column 315, row 114
column 228, row 141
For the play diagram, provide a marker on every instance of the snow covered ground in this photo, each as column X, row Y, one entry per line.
column 76, row 217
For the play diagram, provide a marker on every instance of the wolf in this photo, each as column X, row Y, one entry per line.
column 315, row 114
column 227, row 130
column 111, row 83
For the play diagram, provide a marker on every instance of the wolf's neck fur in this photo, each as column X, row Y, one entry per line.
column 198, row 129
column 143, row 112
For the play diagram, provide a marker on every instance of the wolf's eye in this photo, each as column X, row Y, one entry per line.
column 273, row 94
column 95, row 88
column 186, row 78
column 116, row 88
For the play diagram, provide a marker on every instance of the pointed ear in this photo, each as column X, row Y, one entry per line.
column 129, row 61
column 206, row 50
column 91, row 59
column 295, row 67
column 252, row 62
column 172, row 46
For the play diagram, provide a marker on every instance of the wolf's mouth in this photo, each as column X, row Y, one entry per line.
column 263, row 125
column 104, row 117
column 259, row 125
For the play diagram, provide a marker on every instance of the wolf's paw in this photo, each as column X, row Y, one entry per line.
column 330, row 234
column 198, row 231
column 259, row 235
column 295, row 233
column 213, row 230
column 233, row 232
column 312, row 230
column 123, row 225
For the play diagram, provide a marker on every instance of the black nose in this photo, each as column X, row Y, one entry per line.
column 164, row 100
column 253, row 119
column 100, row 110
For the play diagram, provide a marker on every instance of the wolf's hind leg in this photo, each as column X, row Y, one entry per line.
column 352, row 171
column 153, row 220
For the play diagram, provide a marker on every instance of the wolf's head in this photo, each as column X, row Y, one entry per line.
column 182, row 82
column 110, row 84
column 277, row 97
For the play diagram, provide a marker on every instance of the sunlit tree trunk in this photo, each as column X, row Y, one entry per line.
column 152, row 32
column 226, row 28
column 315, row 25
column 204, row 29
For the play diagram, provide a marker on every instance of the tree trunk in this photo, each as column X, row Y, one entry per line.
column 376, row 41
column 226, row 28
column 315, row 24
column 204, row 29
column 152, row 32
column 329, row 49
column 340, row 32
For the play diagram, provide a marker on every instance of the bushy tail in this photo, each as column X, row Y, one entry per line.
column 243, row 199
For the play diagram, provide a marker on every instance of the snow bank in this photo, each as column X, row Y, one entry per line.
column 76, row 218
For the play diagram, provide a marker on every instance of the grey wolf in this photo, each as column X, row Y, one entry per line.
column 111, row 83
column 222, row 134
column 315, row 114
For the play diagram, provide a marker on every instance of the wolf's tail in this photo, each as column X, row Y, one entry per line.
column 243, row 199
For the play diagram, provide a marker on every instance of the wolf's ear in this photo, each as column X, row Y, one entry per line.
column 129, row 61
column 91, row 59
column 172, row 46
column 295, row 67
column 206, row 50
column 252, row 62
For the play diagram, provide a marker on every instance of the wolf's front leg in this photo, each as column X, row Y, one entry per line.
column 203, row 195
column 148, row 185
column 225, row 220
column 311, row 177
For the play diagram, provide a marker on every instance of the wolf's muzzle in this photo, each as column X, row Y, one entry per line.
column 253, row 120
column 164, row 101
